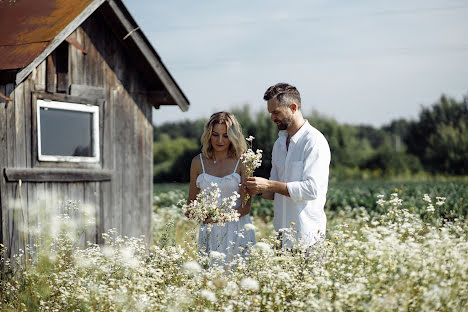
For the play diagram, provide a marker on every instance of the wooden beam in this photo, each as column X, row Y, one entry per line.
column 40, row 95
column 56, row 175
column 87, row 91
column 51, row 75
column 76, row 44
column 157, row 98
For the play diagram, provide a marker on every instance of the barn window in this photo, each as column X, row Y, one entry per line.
column 67, row 132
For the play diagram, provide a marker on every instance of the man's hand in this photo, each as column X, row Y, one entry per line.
column 256, row 185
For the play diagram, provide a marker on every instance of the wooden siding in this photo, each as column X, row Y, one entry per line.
column 123, row 198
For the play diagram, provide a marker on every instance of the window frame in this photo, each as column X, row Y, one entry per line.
column 71, row 106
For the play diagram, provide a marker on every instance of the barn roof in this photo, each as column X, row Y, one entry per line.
column 31, row 29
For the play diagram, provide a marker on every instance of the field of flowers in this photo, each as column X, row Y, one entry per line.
column 404, row 250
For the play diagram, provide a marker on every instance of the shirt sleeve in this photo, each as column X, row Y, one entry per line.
column 315, row 173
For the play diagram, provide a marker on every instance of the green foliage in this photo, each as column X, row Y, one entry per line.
column 440, row 137
column 347, row 148
column 265, row 133
column 168, row 148
column 172, row 158
column 186, row 129
column 351, row 195
column 392, row 162
column 437, row 142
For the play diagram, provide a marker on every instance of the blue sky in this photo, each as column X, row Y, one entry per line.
column 360, row 62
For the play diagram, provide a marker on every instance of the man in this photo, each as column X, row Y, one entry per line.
column 298, row 180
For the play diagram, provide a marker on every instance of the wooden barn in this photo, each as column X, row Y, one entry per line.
column 78, row 81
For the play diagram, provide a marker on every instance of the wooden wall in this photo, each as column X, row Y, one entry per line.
column 109, row 75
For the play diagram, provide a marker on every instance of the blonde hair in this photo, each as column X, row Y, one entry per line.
column 234, row 132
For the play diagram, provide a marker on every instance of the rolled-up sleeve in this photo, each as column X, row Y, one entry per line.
column 315, row 173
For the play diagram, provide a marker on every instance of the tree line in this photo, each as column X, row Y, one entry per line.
column 437, row 142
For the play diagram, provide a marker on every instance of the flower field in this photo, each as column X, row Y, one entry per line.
column 405, row 250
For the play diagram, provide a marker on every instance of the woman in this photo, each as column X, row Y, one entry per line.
column 223, row 143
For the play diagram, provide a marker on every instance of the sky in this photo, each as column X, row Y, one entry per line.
column 359, row 62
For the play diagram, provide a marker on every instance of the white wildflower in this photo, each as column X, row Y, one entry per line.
column 209, row 205
column 427, row 198
column 192, row 267
column 107, row 251
column 208, row 295
column 249, row 227
column 249, row 284
column 263, row 247
column 251, row 161
column 440, row 201
column 231, row 289
column 217, row 255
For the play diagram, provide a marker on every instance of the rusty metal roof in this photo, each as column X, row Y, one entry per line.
column 27, row 27
column 31, row 29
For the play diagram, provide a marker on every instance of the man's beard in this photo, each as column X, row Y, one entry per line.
column 283, row 124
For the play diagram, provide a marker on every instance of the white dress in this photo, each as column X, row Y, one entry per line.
column 228, row 238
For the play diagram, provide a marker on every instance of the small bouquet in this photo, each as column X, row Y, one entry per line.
column 251, row 161
column 207, row 205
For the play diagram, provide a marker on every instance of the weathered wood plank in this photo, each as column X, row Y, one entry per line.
column 68, row 98
column 139, row 188
column 91, row 204
column 56, row 175
column 107, row 191
column 28, row 86
column 74, row 194
column 77, row 59
column 39, row 77
column 20, row 140
column 148, row 174
column 3, row 164
column 9, row 222
column 120, row 130
column 131, row 203
column 20, row 161
column 51, row 75
column 87, row 91
column 34, row 138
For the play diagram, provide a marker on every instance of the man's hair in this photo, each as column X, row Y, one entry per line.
column 284, row 93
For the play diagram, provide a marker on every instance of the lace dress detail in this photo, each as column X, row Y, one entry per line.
column 228, row 238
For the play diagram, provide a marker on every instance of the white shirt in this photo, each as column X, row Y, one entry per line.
column 304, row 167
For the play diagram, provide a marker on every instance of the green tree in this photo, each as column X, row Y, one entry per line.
column 440, row 136
column 347, row 148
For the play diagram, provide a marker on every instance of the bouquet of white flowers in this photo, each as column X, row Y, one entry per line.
column 251, row 161
column 207, row 205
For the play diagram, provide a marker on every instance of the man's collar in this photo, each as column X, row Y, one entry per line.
column 300, row 132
